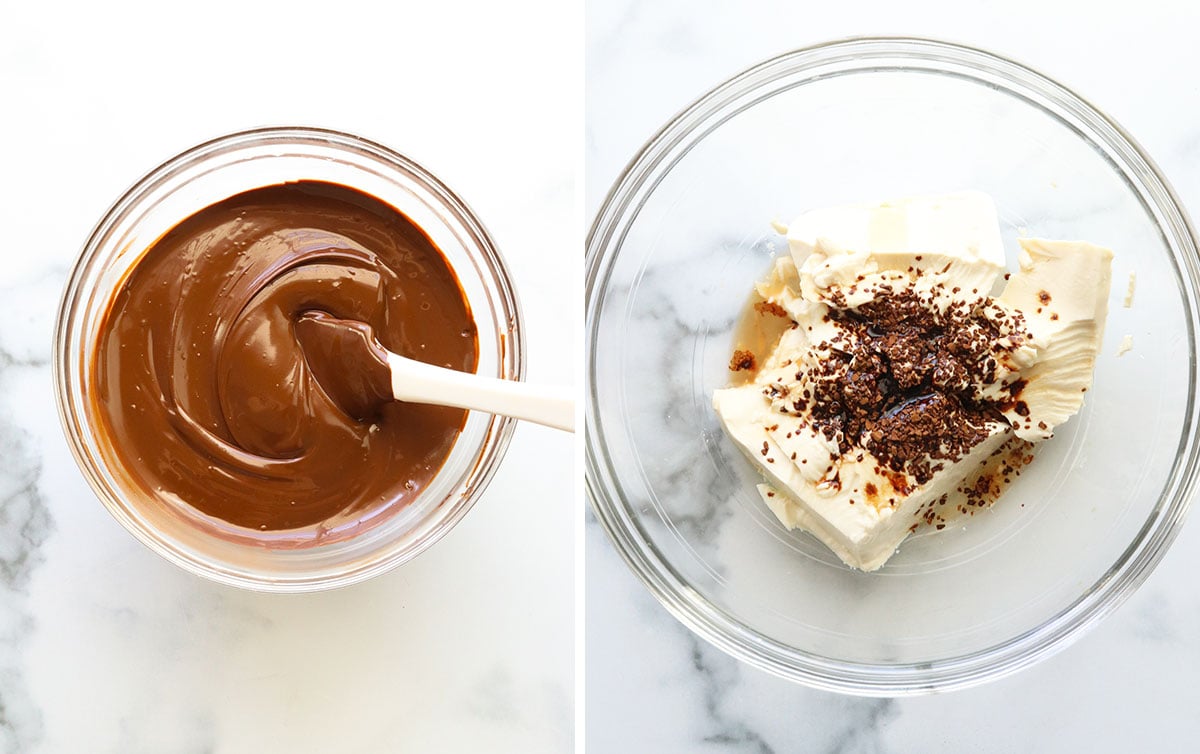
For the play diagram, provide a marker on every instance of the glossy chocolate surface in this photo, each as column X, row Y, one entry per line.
column 207, row 396
column 348, row 361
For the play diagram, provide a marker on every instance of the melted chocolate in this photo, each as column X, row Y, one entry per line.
column 348, row 361
column 207, row 396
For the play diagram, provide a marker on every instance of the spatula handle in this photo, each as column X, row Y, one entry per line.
column 418, row 382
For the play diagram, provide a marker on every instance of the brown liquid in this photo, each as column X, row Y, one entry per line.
column 348, row 361
column 205, row 393
column 758, row 332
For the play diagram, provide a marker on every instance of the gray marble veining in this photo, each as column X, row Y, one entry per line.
column 25, row 523
column 25, row 518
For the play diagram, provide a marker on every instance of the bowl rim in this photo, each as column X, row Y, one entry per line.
column 506, row 310
column 710, row 623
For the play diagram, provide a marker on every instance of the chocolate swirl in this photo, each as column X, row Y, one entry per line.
column 206, row 395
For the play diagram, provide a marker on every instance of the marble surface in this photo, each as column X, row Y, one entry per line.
column 1127, row 685
column 104, row 647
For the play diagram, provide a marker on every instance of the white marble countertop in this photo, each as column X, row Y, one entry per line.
column 1129, row 684
column 106, row 648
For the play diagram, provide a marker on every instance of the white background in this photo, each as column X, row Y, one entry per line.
column 1129, row 685
column 106, row 648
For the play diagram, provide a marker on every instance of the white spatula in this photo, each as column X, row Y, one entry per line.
column 359, row 374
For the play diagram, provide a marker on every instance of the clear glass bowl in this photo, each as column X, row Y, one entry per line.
column 214, row 171
column 672, row 257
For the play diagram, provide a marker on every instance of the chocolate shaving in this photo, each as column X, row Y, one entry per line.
column 742, row 360
column 900, row 379
column 770, row 307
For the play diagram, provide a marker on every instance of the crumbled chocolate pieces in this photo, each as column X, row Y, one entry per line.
column 930, row 426
column 901, row 377
column 742, row 360
column 999, row 471
column 770, row 307
column 775, row 389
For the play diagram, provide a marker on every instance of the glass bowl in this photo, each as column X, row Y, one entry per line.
column 672, row 258
column 214, row 171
